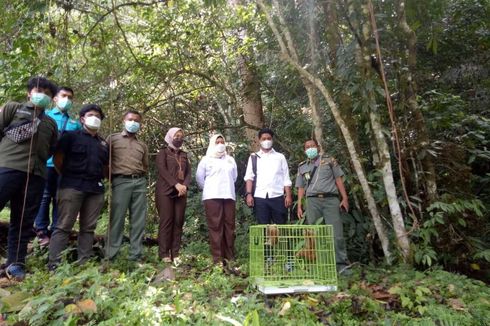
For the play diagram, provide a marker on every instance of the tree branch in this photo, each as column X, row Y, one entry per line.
column 124, row 37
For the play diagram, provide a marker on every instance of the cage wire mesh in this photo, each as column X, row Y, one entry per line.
column 292, row 258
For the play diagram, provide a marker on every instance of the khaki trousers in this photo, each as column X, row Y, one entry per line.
column 127, row 194
column 328, row 210
column 71, row 202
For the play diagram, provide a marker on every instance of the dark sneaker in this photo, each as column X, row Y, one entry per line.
column 16, row 272
column 52, row 267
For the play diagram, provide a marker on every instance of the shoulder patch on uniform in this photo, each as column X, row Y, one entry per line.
column 332, row 161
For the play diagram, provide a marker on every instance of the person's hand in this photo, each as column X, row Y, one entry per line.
column 288, row 201
column 250, row 200
column 300, row 212
column 344, row 205
column 181, row 189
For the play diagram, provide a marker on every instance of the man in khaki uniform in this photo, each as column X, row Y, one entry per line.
column 129, row 164
column 320, row 179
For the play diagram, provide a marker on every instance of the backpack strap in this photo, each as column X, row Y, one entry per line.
column 254, row 157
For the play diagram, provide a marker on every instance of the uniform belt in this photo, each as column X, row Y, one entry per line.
column 129, row 176
column 324, row 195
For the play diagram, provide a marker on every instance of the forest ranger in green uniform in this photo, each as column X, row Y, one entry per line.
column 320, row 180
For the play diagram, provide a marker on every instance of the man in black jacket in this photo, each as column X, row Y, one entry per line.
column 27, row 138
column 82, row 159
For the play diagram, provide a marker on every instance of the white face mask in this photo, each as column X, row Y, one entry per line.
column 93, row 122
column 132, row 126
column 266, row 144
column 220, row 148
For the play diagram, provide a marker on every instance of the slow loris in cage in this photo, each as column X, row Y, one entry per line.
column 308, row 252
column 272, row 235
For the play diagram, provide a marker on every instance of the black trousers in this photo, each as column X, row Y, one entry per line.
column 13, row 190
column 270, row 210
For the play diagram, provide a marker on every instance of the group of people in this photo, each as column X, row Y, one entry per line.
column 50, row 158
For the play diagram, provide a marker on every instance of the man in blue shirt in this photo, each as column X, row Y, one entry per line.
column 60, row 114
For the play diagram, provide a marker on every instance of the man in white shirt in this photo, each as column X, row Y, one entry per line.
column 269, row 189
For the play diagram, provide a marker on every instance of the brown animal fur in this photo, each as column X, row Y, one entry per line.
column 272, row 235
column 308, row 252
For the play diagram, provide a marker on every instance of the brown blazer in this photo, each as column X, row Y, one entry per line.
column 173, row 167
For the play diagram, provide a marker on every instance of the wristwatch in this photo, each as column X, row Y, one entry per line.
column 248, row 193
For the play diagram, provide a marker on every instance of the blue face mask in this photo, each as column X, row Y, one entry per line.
column 132, row 126
column 311, row 152
column 64, row 104
column 40, row 100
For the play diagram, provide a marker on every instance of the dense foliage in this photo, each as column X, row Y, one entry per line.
column 182, row 63
column 127, row 293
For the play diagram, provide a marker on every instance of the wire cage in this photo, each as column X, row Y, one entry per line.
column 292, row 258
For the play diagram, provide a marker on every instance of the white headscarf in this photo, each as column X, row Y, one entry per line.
column 212, row 151
column 169, row 137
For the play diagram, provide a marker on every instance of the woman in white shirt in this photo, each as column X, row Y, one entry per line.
column 216, row 175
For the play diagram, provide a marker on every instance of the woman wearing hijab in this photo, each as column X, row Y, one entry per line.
column 216, row 175
column 174, row 176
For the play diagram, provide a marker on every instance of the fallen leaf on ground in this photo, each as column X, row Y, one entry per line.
column 376, row 291
column 342, row 295
column 229, row 320
column 457, row 304
column 87, row 306
column 5, row 282
column 285, row 307
column 168, row 274
column 168, row 307
column 312, row 301
column 236, row 298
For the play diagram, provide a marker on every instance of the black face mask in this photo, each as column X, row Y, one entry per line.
column 177, row 142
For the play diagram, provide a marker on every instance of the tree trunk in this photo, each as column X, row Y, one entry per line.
column 410, row 95
column 250, row 92
column 251, row 101
column 389, row 185
column 382, row 148
column 316, row 111
column 288, row 53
